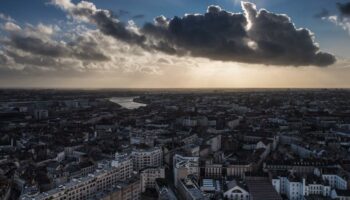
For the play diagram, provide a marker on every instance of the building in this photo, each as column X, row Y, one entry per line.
column 106, row 176
column 294, row 188
column 213, row 170
column 340, row 194
column 40, row 114
column 189, row 190
column 233, row 123
column 166, row 194
column 149, row 176
column 336, row 178
column 130, row 189
column 184, row 166
column 214, row 142
column 142, row 158
column 124, row 165
column 260, row 188
column 164, row 191
column 297, row 188
column 238, row 169
column 236, row 191
column 210, row 185
column 189, row 122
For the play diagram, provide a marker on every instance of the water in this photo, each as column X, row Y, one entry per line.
column 127, row 102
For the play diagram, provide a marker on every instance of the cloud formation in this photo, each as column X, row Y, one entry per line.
column 103, row 19
column 342, row 20
column 259, row 37
column 254, row 36
column 6, row 17
column 39, row 41
column 47, row 50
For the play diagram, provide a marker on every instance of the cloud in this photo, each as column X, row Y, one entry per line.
column 255, row 36
column 103, row 19
column 342, row 20
column 35, row 50
column 344, row 8
column 38, row 41
column 217, row 35
column 279, row 42
column 45, row 48
column 6, row 18
column 10, row 26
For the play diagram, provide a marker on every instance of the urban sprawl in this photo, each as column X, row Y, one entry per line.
column 175, row 144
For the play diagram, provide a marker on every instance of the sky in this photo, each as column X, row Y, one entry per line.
column 175, row 44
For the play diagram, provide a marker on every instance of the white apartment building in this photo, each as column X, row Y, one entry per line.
column 149, row 176
column 297, row 188
column 294, row 189
column 143, row 158
column 335, row 180
column 280, row 184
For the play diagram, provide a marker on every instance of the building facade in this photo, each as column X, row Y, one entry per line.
column 142, row 158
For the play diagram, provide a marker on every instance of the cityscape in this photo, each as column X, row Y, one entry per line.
column 175, row 144
column 174, row 100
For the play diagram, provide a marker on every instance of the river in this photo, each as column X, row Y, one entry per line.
column 127, row 102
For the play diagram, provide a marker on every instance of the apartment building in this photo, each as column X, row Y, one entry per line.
column 107, row 175
column 152, row 157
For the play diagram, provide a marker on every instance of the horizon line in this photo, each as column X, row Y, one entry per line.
column 172, row 88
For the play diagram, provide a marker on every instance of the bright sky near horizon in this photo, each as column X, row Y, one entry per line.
column 175, row 44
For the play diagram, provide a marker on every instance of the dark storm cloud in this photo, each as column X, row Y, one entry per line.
column 279, row 42
column 217, row 34
column 323, row 13
column 344, row 8
column 117, row 29
column 258, row 37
